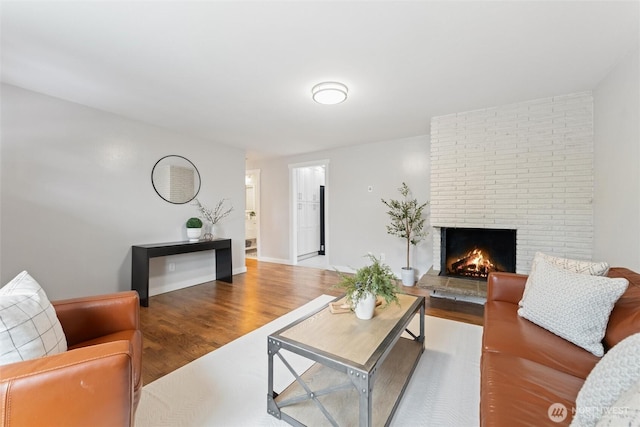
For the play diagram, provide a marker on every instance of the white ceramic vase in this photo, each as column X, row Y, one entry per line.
column 408, row 276
column 365, row 306
column 193, row 234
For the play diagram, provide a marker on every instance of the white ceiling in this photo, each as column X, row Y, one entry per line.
column 240, row 73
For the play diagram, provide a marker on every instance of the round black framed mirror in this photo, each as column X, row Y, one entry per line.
column 176, row 179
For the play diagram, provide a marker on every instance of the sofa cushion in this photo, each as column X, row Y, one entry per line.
column 517, row 391
column 616, row 373
column 573, row 306
column 29, row 327
column 509, row 333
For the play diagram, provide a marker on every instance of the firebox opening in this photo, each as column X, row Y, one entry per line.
column 473, row 253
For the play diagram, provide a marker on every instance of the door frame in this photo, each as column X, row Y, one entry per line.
column 293, row 189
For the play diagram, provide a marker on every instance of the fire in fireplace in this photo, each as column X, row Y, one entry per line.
column 473, row 264
column 475, row 252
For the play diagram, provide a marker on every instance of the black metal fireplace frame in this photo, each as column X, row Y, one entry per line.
column 508, row 235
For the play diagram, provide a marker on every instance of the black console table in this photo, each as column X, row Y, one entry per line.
column 141, row 254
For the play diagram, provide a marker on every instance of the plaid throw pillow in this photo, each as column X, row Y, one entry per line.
column 29, row 327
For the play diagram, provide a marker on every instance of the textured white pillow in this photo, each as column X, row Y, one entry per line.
column 625, row 412
column 574, row 265
column 573, row 306
column 614, row 374
column 29, row 327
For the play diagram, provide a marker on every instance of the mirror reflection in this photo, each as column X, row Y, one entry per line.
column 175, row 179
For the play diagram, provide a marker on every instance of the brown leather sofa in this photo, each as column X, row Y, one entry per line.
column 525, row 368
column 97, row 382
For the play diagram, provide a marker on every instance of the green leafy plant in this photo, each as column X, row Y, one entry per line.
column 407, row 221
column 194, row 223
column 376, row 278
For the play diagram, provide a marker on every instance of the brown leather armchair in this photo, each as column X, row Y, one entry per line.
column 97, row 382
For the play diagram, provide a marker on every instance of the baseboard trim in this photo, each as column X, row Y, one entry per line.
column 239, row 270
column 274, row 260
column 342, row 269
column 157, row 289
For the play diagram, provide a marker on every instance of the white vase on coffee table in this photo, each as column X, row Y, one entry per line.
column 365, row 306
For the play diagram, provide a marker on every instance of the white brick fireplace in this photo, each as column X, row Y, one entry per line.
column 525, row 166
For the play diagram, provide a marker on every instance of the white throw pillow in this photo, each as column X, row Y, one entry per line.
column 625, row 412
column 573, row 306
column 574, row 265
column 29, row 327
column 617, row 372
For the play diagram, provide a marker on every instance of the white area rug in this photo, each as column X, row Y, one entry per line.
column 228, row 387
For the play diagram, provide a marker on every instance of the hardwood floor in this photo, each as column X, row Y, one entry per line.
column 183, row 325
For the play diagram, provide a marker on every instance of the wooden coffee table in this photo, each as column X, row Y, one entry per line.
column 353, row 359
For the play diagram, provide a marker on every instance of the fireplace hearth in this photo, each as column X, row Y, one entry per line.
column 473, row 253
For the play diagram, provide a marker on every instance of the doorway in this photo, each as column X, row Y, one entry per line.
column 309, row 208
column 252, row 213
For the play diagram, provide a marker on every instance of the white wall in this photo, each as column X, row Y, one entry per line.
column 617, row 165
column 356, row 219
column 525, row 166
column 76, row 194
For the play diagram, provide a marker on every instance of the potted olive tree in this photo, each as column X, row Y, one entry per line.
column 407, row 222
column 368, row 283
column 194, row 229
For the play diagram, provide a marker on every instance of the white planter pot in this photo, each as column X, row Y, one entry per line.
column 194, row 234
column 408, row 276
column 365, row 306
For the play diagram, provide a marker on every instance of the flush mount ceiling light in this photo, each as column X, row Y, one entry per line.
column 329, row 93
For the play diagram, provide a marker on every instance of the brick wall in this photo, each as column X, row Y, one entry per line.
column 525, row 166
